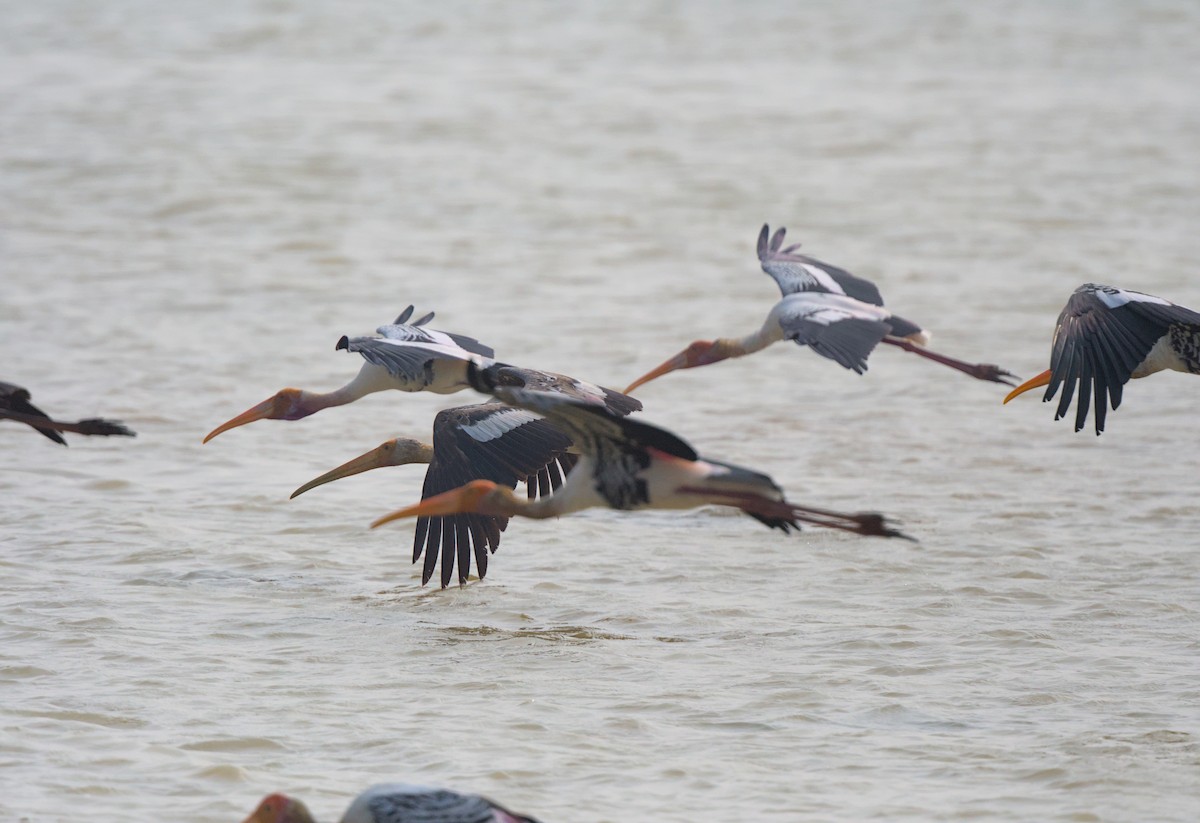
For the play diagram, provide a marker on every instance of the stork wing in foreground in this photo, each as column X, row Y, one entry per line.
column 1104, row 337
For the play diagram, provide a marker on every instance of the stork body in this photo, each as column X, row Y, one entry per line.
column 490, row 441
column 395, row 803
column 828, row 309
column 404, row 357
column 631, row 465
column 1106, row 336
column 15, row 406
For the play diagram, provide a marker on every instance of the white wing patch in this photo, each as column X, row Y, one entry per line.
column 1114, row 298
column 593, row 392
column 822, row 278
column 497, row 425
column 827, row 309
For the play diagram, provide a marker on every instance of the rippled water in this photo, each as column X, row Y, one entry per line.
column 197, row 200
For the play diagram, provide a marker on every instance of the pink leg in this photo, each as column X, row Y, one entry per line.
column 981, row 371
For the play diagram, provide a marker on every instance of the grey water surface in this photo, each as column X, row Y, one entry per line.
column 198, row 199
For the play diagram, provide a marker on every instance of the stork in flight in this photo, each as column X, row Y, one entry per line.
column 488, row 441
column 630, row 465
column 15, row 405
column 828, row 309
column 1105, row 336
column 405, row 356
column 395, row 803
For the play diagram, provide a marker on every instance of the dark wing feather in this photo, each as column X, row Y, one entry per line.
column 471, row 344
column 587, row 423
column 430, row 806
column 502, row 374
column 619, row 446
column 16, row 399
column 413, row 333
column 517, row 447
column 848, row 341
column 403, row 362
column 795, row 272
column 1097, row 348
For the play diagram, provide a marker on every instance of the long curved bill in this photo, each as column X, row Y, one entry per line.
column 451, row 502
column 1032, row 383
column 376, row 458
column 260, row 412
column 679, row 361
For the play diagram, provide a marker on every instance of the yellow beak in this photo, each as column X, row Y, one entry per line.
column 679, row 361
column 1032, row 383
column 260, row 412
column 376, row 458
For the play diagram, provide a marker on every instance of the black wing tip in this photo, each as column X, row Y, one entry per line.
column 874, row 524
column 53, row 435
column 402, row 318
column 106, row 428
column 343, row 343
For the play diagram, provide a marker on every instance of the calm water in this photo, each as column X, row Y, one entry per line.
column 197, row 200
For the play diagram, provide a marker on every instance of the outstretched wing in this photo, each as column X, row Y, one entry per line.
column 406, row 805
column 490, row 441
column 834, row 326
column 16, row 399
column 795, row 272
column 619, row 447
column 404, row 331
column 1103, row 334
column 545, row 381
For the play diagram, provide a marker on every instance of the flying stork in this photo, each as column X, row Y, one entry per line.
column 488, row 441
column 15, row 405
column 628, row 465
column 395, row 803
column 828, row 309
column 405, row 356
column 1105, row 336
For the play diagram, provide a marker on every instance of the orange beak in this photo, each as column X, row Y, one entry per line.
column 376, row 458
column 462, row 500
column 1032, row 383
column 262, row 411
column 679, row 361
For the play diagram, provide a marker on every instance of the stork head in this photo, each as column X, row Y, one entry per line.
column 279, row 808
column 699, row 353
column 398, row 451
column 476, row 497
column 285, row 404
column 1032, row 383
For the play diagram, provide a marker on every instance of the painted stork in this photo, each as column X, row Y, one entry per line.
column 630, row 465
column 1105, row 336
column 15, row 405
column 406, row 356
column 828, row 309
column 395, row 803
column 488, row 441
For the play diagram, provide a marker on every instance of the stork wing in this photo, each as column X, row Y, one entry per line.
column 407, row 361
column 619, row 447
column 415, row 805
column 593, row 427
column 795, row 272
column 545, row 381
column 1103, row 334
column 490, row 441
column 411, row 333
column 842, row 329
column 16, row 399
